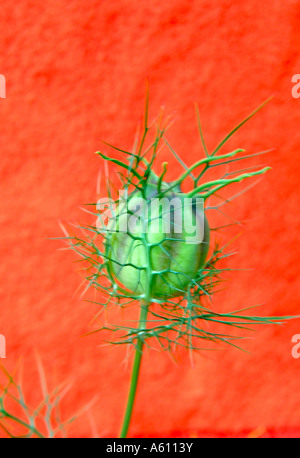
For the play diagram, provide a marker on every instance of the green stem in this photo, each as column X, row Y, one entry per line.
column 17, row 420
column 135, row 372
column 224, row 182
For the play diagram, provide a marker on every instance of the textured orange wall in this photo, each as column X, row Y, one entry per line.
column 75, row 74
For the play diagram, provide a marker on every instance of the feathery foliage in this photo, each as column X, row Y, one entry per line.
column 172, row 321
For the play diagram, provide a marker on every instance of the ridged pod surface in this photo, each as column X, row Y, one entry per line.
column 162, row 254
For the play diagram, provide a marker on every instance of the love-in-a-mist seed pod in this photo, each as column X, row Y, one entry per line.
column 160, row 242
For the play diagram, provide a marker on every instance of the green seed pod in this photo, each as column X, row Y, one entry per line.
column 160, row 251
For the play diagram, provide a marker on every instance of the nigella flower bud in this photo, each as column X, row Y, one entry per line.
column 158, row 242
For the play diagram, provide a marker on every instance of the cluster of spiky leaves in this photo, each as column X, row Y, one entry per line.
column 20, row 420
column 172, row 322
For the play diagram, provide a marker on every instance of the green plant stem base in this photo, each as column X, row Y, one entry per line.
column 135, row 371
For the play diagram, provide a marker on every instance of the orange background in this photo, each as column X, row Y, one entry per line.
column 75, row 74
